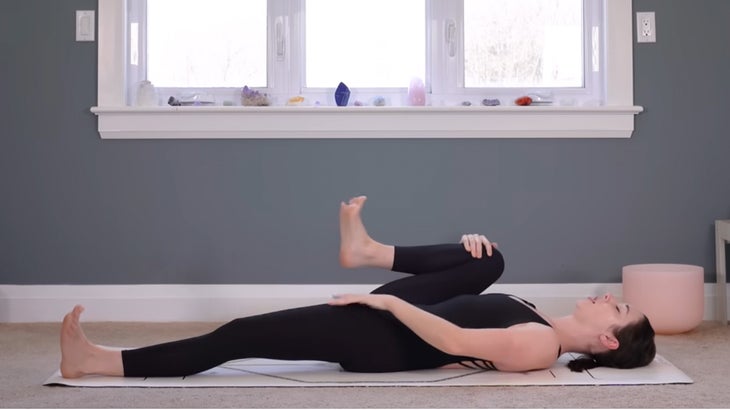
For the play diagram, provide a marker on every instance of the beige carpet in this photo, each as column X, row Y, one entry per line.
column 30, row 353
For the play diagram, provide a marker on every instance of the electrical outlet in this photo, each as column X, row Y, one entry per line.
column 645, row 27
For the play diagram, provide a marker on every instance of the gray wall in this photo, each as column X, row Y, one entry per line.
column 80, row 210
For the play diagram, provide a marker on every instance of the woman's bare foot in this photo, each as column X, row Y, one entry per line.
column 79, row 356
column 75, row 347
column 357, row 248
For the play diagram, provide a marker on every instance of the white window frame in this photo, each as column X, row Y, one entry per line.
column 613, row 119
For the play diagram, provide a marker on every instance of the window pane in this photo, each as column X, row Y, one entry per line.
column 206, row 43
column 523, row 43
column 365, row 43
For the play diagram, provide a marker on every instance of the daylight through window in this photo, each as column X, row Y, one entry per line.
column 460, row 49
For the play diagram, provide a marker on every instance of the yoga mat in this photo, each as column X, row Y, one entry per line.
column 275, row 373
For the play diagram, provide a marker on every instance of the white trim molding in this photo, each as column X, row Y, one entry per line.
column 219, row 303
column 365, row 122
column 613, row 119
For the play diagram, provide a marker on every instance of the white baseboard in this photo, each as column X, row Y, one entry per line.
column 218, row 303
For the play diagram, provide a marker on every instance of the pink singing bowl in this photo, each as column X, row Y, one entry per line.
column 672, row 296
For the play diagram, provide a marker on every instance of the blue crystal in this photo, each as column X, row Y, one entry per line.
column 342, row 95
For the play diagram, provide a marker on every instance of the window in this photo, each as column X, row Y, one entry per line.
column 499, row 48
column 465, row 51
column 375, row 50
column 529, row 44
column 211, row 43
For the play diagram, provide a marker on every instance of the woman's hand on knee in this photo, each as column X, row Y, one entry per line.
column 473, row 243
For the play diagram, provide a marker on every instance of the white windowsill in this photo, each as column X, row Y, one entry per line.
column 613, row 120
column 167, row 122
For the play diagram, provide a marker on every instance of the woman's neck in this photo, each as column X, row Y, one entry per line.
column 573, row 336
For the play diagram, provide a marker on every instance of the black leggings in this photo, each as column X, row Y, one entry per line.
column 357, row 337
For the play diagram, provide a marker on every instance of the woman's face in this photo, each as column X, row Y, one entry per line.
column 605, row 312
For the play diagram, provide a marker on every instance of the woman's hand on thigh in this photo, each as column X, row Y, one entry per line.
column 375, row 301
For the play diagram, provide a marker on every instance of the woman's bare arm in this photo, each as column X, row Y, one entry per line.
column 438, row 332
column 518, row 348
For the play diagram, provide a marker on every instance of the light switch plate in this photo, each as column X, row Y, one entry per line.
column 85, row 25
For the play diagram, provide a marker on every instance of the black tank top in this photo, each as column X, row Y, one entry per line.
column 492, row 310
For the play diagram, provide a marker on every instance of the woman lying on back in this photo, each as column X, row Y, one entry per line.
column 436, row 317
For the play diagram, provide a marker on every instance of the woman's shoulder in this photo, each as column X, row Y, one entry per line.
column 534, row 346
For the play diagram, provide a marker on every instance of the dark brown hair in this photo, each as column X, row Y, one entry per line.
column 636, row 348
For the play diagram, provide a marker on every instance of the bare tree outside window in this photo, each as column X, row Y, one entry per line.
column 523, row 43
column 212, row 43
column 365, row 43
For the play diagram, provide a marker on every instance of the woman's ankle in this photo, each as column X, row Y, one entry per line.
column 370, row 254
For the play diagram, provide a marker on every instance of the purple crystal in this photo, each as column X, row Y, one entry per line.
column 253, row 97
column 491, row 102
column 342, row 95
